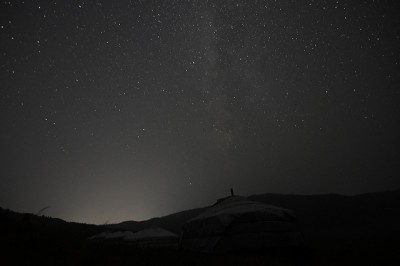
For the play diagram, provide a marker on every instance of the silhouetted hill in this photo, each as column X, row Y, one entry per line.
column 374, row 212
column 9, row 218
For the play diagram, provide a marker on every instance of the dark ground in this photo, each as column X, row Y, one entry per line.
column 339, row 230
column 73, row 250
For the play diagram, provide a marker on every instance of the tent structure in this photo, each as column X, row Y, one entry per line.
column 150, row 237
column 236, row 223
column 153, row 237
column 109, row 236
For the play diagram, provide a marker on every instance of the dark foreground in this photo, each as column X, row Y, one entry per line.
column 43, row 247
column 339, row 230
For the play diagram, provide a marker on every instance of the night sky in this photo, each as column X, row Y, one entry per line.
column 127, row 110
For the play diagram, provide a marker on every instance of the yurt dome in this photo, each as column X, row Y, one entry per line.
column 237, row 223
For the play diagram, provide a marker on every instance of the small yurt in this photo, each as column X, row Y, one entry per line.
column 153, row 237
column 111, row 236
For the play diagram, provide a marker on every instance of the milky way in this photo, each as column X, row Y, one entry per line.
column 118, row 110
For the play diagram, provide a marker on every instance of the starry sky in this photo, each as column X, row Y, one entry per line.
column 128, row 110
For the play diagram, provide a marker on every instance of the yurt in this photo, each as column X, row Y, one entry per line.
column 153, row 237
column 237, row 223
column 111, row 236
